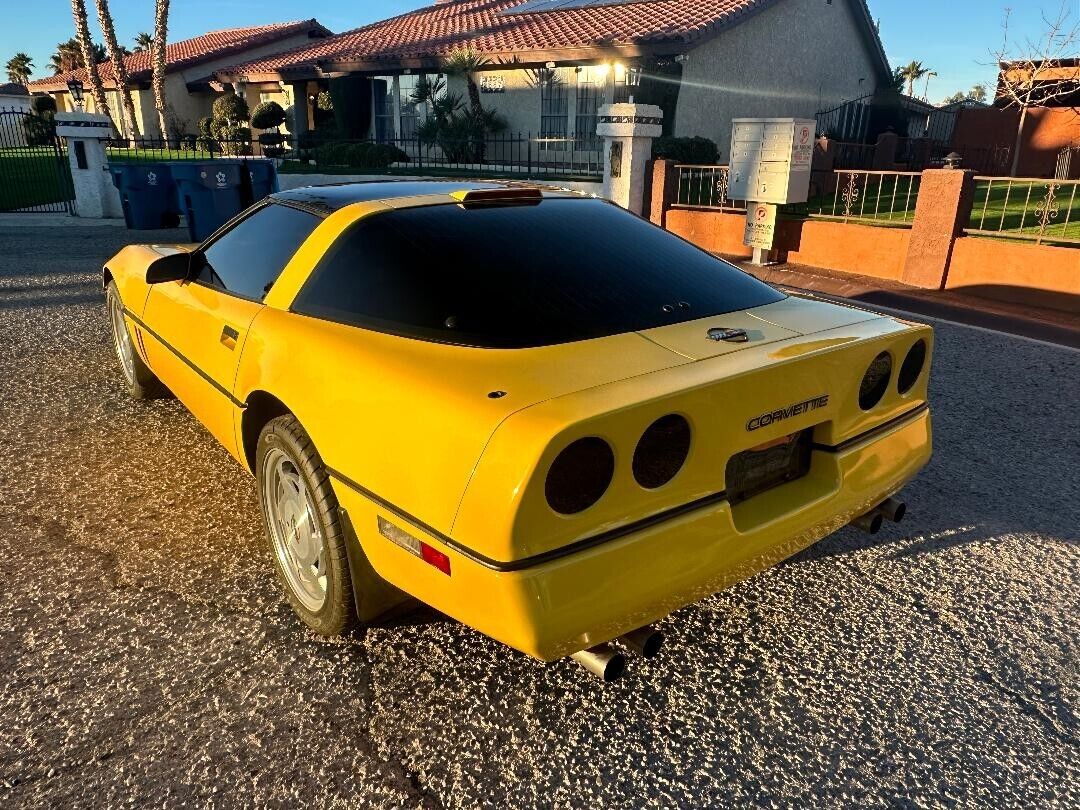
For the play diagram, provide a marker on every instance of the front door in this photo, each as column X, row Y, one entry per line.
column 199, row 325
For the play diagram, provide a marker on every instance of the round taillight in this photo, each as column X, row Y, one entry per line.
column 661, row 451
column 579, row 475
column 912, row 367
column 875, row 382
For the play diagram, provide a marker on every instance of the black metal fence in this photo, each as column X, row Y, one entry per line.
column 524, row 154
column 35, row 176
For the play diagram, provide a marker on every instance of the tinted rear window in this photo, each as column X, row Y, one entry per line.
column 517, row 276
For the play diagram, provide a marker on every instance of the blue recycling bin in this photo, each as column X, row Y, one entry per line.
column 211, row 193
column 264, row 180
column 147, row 194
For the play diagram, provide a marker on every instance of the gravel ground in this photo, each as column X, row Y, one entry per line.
column 149, row 660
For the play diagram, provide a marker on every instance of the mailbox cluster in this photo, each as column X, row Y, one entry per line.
column 770, row 159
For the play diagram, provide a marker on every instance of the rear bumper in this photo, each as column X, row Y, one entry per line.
column 555, row 608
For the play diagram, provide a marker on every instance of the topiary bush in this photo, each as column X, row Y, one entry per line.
column 267, row 115
column 695, row 150
column 231, row 108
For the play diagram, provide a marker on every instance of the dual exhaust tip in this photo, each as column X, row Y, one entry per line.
column 891, row 508
column 608, row 663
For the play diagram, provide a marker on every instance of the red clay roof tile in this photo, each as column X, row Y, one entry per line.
column 436, row 30
column 185, row 53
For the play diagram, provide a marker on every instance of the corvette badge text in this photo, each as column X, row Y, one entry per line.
column 784, row 413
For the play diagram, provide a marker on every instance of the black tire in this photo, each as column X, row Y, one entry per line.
column 283, row 441
column 139, row 380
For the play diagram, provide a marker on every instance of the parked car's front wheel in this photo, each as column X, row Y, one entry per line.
column 140, row 380
column 303, row 527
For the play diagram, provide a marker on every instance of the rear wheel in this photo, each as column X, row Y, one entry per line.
column 140, row 380
column 304, row 528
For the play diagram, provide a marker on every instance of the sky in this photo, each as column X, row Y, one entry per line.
column 951, row 37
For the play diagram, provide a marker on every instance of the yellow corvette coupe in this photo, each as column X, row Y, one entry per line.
column 528, row 408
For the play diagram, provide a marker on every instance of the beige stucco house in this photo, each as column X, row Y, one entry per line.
column 552, row 63
column 190, row 85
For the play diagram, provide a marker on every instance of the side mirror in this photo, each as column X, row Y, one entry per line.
column 174, row 267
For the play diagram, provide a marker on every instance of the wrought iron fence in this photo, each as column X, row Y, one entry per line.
column 705, row 187
column 867, row 196
column 187, row 147
column 1026, row 208
column 504, row 153
column 35, row 175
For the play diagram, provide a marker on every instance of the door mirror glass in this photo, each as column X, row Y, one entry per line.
column 174, row 267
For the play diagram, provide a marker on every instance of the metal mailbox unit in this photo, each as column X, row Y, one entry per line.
column 770, row 166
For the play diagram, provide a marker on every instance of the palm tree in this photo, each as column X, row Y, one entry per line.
column 467, row 62
column 926, row 90
column 116, row 56
column 19, row 67
column 86, row 46
column 912, row 72
column 143, row 42
column 161, row 31
column 67, row 57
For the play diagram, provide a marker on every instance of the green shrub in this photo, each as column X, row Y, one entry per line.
column 360, row 155
column 695, row 150
column 271, row 138
column 267, row 115
column 206, row 127
column 42, row 105
column 231, row 107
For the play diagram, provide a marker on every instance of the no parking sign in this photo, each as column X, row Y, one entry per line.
column 760, row 225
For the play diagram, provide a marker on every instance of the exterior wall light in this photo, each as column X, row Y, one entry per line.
column 75, row 87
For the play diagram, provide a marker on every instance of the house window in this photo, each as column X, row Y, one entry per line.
column 554, row 107
column 411, row 113
column 384, row 108
column 591, row 83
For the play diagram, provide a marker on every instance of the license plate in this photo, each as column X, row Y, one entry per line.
column 754, row 471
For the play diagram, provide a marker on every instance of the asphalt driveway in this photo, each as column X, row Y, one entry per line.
column 148, row 659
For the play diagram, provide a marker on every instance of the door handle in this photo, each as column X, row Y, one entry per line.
column 228, row 337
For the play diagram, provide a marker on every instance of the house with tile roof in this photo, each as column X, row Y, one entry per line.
column 190, row 85
column 552, row 63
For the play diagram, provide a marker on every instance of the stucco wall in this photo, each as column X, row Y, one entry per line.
column 791, row 60
column 1017, row 272
column 863, row 249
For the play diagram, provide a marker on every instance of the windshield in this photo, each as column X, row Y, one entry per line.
column 520, row 275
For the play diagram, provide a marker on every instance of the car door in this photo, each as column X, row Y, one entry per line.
column 201, row 323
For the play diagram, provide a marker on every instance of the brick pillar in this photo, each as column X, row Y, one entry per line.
column 941, row 212
column 885, row 151
column 661, row 188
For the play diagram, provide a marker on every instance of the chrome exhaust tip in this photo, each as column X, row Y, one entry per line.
column 645, row 641
column 893, row 508
column 870, row 522
column 603, row 661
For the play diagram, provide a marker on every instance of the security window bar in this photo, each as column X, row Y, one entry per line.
column 554, row 108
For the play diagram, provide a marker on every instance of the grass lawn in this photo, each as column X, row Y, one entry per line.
column 1012, row 209
column 141, row 155
column 888, row 199
column 29, row 177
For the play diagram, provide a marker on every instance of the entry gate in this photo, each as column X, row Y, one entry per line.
column 34, row 172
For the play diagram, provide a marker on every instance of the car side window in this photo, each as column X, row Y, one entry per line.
column 248, row 258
